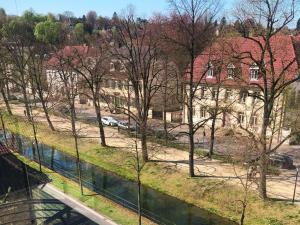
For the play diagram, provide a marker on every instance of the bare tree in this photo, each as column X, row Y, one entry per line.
column 36, row 66
column 136, row 162
column 4, row 74
column 65, row 75
column 191, row 30
column 92, row 66
column 274, row 15
column 17, row 39
column 139, row 53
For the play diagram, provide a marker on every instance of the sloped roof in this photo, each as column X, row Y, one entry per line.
column 71, row 53
column 240, row 51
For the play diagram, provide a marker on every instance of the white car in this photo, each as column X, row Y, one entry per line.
column 109, row 121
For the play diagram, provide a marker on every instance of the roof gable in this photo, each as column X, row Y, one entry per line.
column 242, row 53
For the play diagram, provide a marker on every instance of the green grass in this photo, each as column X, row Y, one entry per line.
column 106, row 207
column 213, row 195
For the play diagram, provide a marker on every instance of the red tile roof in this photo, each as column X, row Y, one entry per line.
column 71, row 53
column 286, row 49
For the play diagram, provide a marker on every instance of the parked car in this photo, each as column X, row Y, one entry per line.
column 64, row 109
column 282, row 161
column 125, row 125
column 109, row 121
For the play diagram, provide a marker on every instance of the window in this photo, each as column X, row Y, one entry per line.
column 125, row 85
column 230, row 71
column 203, row 90
column 241, row 118
column 243, row 96
column 228, row 93
column 210, row 70
column 120, row 84
column 202, row 112
column 194, row 110
column 106, row 83
column 253, row 121
column 112, row 67
column 113, row 84
column 254, row 72
column 122, row 68
column 214, row 93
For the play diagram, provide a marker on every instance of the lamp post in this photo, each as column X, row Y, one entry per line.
column 295, row 188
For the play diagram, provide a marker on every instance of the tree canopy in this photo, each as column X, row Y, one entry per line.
column 48, row 31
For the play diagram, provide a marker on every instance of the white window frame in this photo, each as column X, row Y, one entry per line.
column 203, row 92
column 243, row 96
column 228, row 94
column 254, row 72
column 253, row 121
column 230, row 71
column 210, row 70
column 241, row 118
column 202, row 112
column 112, row 67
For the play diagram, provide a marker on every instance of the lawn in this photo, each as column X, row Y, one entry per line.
column 106, row 207
column 215, row 196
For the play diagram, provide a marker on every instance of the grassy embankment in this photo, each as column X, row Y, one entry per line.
column 213, row 195
column 106, row 207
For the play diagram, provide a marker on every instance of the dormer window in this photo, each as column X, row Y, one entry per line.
column 254, row 72
column 230, row 71
column 122, row 68
column 112, row 67
column 210, row 70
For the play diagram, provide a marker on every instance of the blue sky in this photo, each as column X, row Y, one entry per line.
column 144, row 8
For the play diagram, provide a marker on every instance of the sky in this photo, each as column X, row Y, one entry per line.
column 144, row 8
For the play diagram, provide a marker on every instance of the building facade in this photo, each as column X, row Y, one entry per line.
column 226, row 76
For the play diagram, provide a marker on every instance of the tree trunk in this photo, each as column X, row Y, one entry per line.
column 144, row 142
column 191, row 152
column 212, row 138
column 139, row 184
column 191, row 134
column 7, row 89
column 243, row 214
column 139, row 201
column 165, row 126
column 36, row 140
column 47, row 114
column 100, row 125
column 263, row 159
column 6, row 101
column 4, row 129
column 263, row 176
column 73, row 123
column 26, row 103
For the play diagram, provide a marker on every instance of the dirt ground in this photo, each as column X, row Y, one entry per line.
column 281, row 186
